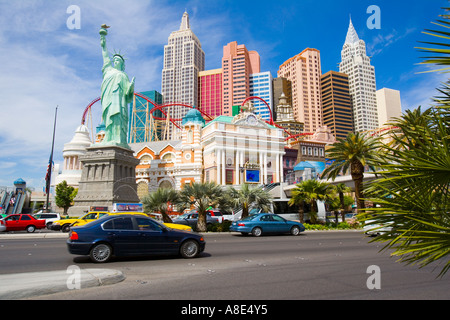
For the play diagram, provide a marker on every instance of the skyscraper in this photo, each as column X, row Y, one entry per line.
column 337, row 104
column 237, row 65
column 261, row 86
column 210, row 96
column 304, row 71
column 361, row 77
column 389, row 105
column 280, row 86
column 183, row 60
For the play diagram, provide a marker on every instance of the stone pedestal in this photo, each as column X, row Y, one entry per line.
column 108, row 177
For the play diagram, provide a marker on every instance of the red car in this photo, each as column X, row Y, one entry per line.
column 17, row 222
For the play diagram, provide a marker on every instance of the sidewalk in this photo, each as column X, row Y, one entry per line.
column 34, row 235
column 26, row 285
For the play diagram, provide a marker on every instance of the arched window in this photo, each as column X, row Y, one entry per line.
column 168, row 157
column 190, row 136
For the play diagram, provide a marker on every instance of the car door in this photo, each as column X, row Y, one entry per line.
column 123, row 235
column 266, row 223
column 192, row 220
column 279, row 224
column 13, row 222
column 154, row 238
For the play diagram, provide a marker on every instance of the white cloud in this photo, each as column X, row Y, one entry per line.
column 381, row 42
column 420, row 89
column 44, row 64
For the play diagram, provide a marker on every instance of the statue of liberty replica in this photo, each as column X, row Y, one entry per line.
column 108, row 178
column 117, row 93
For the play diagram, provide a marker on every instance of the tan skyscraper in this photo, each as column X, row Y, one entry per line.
column 389, row 105
column 237, row 65
column 304, row 72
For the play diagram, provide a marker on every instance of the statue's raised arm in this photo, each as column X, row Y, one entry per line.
column 105, row 53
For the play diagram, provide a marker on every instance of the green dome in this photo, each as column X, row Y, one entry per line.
column 194, row 116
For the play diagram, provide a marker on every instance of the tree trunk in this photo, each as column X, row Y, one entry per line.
column 357, row 171
column 244, row 211
column 166, row 217
column 201, row 222
column 301, row 215
column 341, row 199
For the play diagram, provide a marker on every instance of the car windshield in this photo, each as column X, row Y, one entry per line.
column 183, row 216
column 97, row 221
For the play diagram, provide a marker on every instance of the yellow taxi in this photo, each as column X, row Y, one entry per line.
column 65, row 224
column 169, row 225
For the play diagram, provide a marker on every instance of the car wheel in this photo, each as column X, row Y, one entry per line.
column 101, row 252
column 257, row 231
column 49, row 225
column 189, row 249
column 31, row 229
column 295, row 231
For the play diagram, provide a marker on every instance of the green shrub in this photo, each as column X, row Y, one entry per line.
column 220, row 227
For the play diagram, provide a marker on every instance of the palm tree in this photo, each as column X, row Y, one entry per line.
column 410, row 121
column 355, row 152
column 250, row 197
column 310, row 191
column 160, row 200
column 298, row 197
column 202, row 196
column 414, row 195
column 414, row 188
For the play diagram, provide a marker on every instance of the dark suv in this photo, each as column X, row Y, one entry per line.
column 190, row 219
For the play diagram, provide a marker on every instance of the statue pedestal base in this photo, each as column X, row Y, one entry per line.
column 108, row 177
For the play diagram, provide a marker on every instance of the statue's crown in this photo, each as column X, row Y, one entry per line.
column 118, row 54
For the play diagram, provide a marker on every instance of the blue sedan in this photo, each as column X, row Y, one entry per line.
column 131, row 235
column 266, row 223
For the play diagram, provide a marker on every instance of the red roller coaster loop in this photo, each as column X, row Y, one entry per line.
column 156, row 107
column 174, row 121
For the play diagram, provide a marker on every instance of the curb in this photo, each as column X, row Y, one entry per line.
column 33, row 236
column 26, row 285
column 49, row 235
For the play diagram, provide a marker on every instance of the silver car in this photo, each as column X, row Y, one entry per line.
column 372, row 229
column 2, row 225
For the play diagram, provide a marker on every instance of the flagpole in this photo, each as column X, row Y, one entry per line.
column 49, row 170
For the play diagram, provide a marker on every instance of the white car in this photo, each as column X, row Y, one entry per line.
column 2, row 225
column 374, row 229
column 48, row 216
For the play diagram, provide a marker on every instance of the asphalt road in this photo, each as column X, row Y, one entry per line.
column 312, row 266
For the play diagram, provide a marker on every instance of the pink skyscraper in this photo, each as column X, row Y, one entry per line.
column 210, row 92
column 237, row 65
column 304, row 71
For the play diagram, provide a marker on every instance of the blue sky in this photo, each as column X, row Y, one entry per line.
column 45, row 64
